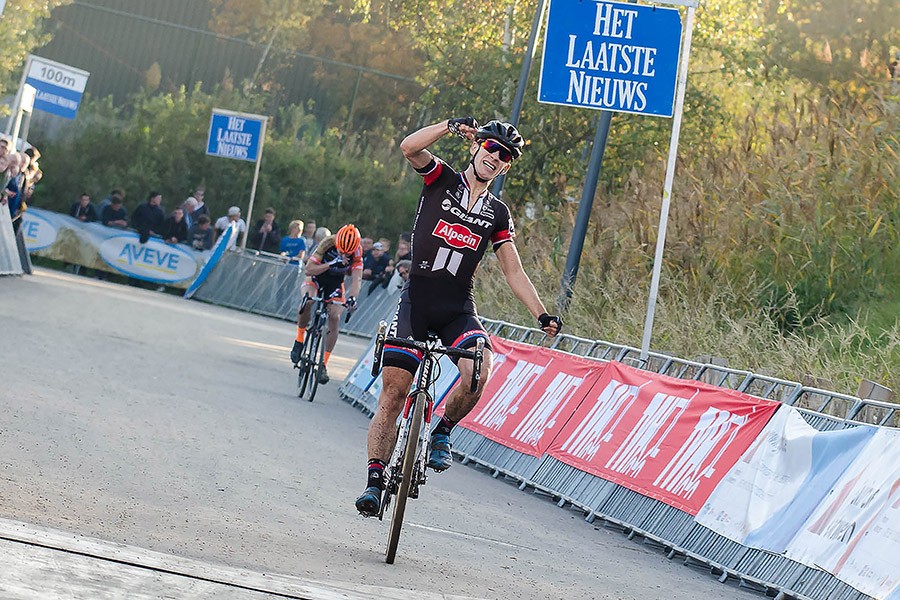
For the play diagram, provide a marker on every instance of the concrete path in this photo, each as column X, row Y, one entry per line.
column 139, row 424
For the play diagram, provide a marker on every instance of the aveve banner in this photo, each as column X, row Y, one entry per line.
column 531, row 394
column 666, row 438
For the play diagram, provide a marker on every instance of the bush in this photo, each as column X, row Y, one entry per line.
column 158, row 142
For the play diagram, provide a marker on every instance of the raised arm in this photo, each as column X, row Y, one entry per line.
column 521, row 285
column 415, row 145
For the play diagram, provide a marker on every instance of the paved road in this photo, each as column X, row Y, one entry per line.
column 170, row 425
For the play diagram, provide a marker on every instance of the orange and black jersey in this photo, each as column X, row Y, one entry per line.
column 448, row 241
column 326, row 252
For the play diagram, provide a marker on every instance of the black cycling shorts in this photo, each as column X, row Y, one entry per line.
column 432, row 304
column 331, row 291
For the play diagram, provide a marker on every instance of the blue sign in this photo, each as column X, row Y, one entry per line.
column 235, row 135
column 58, row 87
column 611, row 56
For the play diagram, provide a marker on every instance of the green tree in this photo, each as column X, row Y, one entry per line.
column 21, row 32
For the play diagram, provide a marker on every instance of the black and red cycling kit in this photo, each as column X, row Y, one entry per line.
column 332, row 281
column 448, row 241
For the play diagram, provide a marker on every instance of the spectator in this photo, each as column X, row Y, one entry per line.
column 189, row 206
column 11, row 194
column 4, row 156
column 223, row 223
column 400, row 276
column 366, row 245
column 377, row 268
column 27, row 193
column 148, row 218
column 200, row 234
column 321, row 234
column 33, row 173
column 84, row 210
column 108, row 200
column 386, row 245
column 201, row 209
column 293, row 246
column 309, row 236
column 266, row 235
column 402, row 251
column 175, row 229
column 115, row 215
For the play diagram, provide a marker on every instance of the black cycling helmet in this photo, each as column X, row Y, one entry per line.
column 504, row 133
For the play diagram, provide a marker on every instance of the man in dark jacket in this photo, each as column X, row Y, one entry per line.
column 175, row 229
column 266, row 235
column 114, row 214
column 148, row 218
column 84, row 210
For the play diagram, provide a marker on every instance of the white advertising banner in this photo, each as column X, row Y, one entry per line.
column 772, row 490
column 96, row 246
column 855, row 532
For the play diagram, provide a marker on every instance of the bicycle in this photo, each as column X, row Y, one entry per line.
column 312, row 358
column 405, row 472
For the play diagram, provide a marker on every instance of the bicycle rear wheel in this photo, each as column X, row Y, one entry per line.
column 303, row 370
column 409, row 463
column 305, row 364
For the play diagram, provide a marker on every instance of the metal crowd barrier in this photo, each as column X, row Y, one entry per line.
column 257, row 283
column 24, row 256
column 265, row 284
column 372, row 308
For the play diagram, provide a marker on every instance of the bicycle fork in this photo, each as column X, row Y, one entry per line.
column 419, row 474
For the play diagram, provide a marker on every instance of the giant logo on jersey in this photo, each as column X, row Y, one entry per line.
column 456, row 235
column 462, row 215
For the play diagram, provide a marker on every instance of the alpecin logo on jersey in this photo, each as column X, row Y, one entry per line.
column 457, row 235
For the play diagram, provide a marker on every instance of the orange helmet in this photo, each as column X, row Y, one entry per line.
column 347, row 239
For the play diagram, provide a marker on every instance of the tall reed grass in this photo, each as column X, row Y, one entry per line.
column 782, row 236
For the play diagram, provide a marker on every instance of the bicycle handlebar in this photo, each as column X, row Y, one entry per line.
column 477, row 356
column 423, row 347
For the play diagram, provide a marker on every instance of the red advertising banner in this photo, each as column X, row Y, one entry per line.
column 531, row 394
column 666, row 438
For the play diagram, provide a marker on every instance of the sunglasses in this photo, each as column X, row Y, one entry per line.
column 501, row 150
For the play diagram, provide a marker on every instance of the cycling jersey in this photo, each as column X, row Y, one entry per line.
column 449, row 241
column 327, row 252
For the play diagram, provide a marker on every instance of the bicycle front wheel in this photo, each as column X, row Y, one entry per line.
column 406, row 481
column 314, row 361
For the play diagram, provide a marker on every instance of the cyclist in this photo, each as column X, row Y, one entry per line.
column 334, row 257
column 457, row 218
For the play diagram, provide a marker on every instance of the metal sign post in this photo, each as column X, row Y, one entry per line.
column 523, row 80
column 240, row 136
column 667, row 186
column 25, row 106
